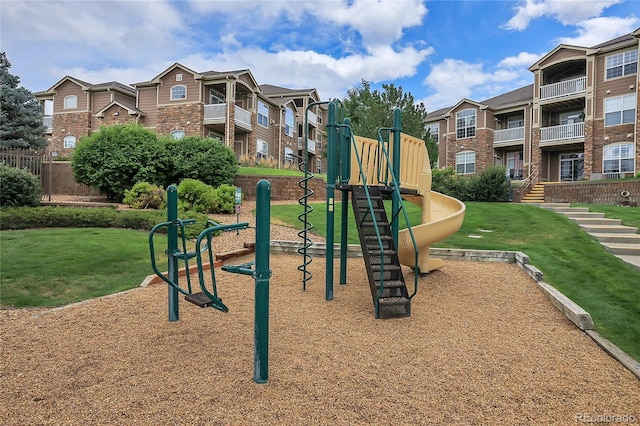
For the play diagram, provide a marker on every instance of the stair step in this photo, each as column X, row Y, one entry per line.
column 394, row 307
column 376, row 252
column 609, row 229
column 369, row 224
column 596, row 221
column 618, row 238
column 375, row 238
column 622, row 248
column 199, row 299
column 565, row 210
column 392, row 284
column 582, row 215
column 387, row 268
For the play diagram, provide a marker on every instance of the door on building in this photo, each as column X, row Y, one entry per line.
column 571, row 167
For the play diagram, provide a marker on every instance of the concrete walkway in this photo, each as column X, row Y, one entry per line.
column 619, row 240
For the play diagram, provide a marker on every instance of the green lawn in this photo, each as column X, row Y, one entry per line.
column 57, row 266
column 571, row 260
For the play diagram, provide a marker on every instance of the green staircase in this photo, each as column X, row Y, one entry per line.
column 388, row 289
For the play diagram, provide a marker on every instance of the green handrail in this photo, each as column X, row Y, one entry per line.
column 396, row 190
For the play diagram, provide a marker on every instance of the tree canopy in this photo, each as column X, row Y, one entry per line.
column 369, row 110
column 21, row 123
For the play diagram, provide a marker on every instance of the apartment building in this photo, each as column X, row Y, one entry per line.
column 257, row 122
column 579, row 119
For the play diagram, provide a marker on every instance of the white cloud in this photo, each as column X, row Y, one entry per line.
column 598, row 30
column 523, row 59
column 454, row 79
column 567, row 12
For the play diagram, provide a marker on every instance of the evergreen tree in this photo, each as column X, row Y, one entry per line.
column 369, row 110
column 20, row 116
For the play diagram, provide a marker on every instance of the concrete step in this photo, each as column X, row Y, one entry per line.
column 583, row 215
column 560, row 205
column 609, row 229
column 596, row 221
column 623, row 249
column 618, row 238
column 567, row 210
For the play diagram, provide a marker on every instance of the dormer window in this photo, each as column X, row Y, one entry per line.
column 178, row 92
column 71, row 102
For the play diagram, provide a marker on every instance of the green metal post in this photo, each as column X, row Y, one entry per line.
column 395, row 201
column 172, row 248
column 345, row 162
column 262, row 276
column 331, row 187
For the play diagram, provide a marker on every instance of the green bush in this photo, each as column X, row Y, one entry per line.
column 226, row 199
column 78, row 217
column 117, row 157
column 145, row 195
column 490, row 185
column 206, row 160
column 197, row 196
column 19, row 187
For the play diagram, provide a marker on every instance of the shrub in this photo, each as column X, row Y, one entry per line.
column 206, row 160
column 117, row 157
column 145, row 195
column 490, row 185
column 19, row 187
column 197, row 196
column 226, row 199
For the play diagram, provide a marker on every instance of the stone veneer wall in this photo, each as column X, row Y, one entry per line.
column 76, row 124
column 176, row 117
column 601, row 192
column 283, row 188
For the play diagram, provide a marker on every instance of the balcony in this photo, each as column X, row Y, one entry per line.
column 47, row 121
column 563, row 88
column 311, row 117
column 311, row 145
column 561, row 133
column 504, row 137
column 216, row 114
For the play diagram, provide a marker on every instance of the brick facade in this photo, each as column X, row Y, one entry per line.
column 602, row 192
column 76, row 124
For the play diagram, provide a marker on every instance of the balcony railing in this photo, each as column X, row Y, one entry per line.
column 47, row 121
column 562, row 132
column 216, row 113
column 311, row 145
column 563, row 88
column 508, row 135
column 312, row 118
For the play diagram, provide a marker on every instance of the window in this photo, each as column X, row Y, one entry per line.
column 263, row 114
column 288, row 155
column 622, row 64
column 288, row 123
column 618, row 158
column 433, row 130
column 619, row 110
column 70, row 142
column 177, row 134
column 216, row 97
column 261, row 150
column 466, row 123
column 515, row 122
column 466, row 162
column 178, row 92
column 71, row 102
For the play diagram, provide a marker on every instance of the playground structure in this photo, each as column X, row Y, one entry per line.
column 396, row 167
column 258, row 269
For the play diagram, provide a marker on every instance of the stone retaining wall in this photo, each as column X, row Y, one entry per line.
column 601, row 192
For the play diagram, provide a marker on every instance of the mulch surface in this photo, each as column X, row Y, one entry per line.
column 482, row 346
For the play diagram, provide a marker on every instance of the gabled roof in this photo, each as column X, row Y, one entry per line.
column 156, row 79
column 111, row 85
column 207, row 75
column 276, row 91
column 586, row 50
column 437, row 114
column 131, row 110
column 521, row 95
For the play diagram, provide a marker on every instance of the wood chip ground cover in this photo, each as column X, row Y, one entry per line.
column 483, row 345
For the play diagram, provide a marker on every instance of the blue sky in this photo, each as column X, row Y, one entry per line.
column 440, row 51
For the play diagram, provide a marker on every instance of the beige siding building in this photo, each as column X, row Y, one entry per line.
column 257, row 122
column 578, row 120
